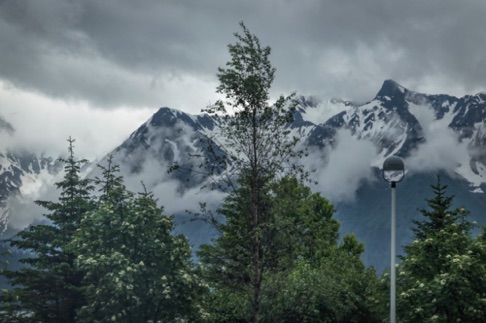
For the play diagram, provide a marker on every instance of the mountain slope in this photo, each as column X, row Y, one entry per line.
column 347, row 142
column 432, row 133
column 22, row 175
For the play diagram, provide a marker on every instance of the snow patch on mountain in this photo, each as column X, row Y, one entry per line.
column 24, row 177
column 23, row 184
column 318, row 112
column 443, row 148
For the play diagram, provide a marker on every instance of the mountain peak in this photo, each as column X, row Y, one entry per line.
column 481, row 97
column 165, row 116
column 168, row 117
column 391, row 89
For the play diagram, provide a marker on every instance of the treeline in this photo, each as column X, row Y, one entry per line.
column 110, row 255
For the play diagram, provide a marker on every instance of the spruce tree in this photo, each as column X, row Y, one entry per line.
column 47, row 289
column 443, row 274
column 136, row 269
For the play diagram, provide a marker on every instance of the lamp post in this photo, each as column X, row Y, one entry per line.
column 393, row 172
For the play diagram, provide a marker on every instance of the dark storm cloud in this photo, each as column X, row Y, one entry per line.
column 147, row 53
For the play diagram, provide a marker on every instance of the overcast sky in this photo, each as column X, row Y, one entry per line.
column 96, row 69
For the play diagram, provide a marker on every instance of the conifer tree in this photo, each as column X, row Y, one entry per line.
column 299, row 245
column 48, row 288
column 443, row 274
column 136, row 270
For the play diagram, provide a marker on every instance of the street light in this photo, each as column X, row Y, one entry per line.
column 393, row 172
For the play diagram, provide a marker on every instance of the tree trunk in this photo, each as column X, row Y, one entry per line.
column 257, row 279
column 256, row 267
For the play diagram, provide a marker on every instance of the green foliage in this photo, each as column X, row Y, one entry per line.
column 443, row 275
column 110, row 258
column 301, row 225
column 254, row 137
column 276, row 231
column 136, row 270
column 256, row 144
column 48, row 289
column 307, row 276
column 338, row 289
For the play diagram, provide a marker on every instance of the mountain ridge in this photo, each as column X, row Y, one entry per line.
column 396, row 121
column 418, row 127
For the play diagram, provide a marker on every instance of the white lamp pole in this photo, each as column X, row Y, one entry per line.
column 393, row 172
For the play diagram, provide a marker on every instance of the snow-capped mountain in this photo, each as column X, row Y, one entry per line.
column 168, row 136
column 397, row 121
column 22, row 174
column 432, row 133
column 401, row 122
column 386, row 121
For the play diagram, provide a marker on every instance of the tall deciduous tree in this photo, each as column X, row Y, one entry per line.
column 443, row 274
column 255, row 140
column 48, row 289
column 136, row 270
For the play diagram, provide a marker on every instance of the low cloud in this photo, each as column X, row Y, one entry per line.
column 340, row 170
column 171, row 195
column 22, row 210
column 442, row 149
column 152, row 170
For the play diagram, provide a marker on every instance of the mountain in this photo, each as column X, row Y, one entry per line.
column 432, row 133
column 347, row 143
column 22, row 175
column 168, row 136
column 386, row 121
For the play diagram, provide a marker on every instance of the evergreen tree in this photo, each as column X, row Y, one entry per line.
column 299, row 245
column 48, row 288
column 136, row 270
column 443, row 274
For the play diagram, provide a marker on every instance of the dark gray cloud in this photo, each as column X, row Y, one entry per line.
column 146, row 54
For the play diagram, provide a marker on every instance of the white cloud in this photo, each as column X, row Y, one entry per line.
column 342, row 169
column 23, row 211
column 42, row 124
column 441, row 150
column 170, row 193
